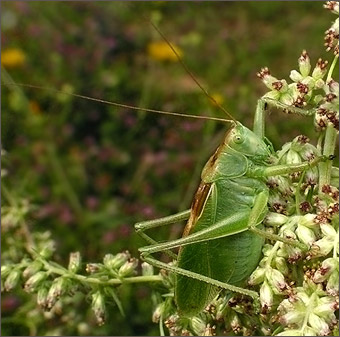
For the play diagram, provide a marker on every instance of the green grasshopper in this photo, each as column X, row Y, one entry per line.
column 222, row 241
column 223, row 238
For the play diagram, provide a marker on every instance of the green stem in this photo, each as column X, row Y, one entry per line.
column 92, row 280
column 329, row 142
column 325, row 168
column 331, row 68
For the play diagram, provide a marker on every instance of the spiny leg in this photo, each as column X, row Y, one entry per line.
column 199, row 277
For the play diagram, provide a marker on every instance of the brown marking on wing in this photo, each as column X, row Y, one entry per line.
column 197, row 206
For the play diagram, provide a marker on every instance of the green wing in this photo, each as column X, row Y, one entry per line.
column 230, row 259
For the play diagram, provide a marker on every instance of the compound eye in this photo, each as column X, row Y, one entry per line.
column 238, row 139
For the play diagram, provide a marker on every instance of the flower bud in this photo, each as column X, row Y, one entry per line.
column 295, row 76
column 266, row 296
column 42, row 297
column 287, row 99
column 74, row 262
column 332, row 286
column 198, row 325
column 257, row 276
column 328, row 230
column 294, row 253
column 59, row 286
column 158, row 312
column 34, row 281
column 320, row 69
column 311, row 177
column 326, row 307
column 281, row 265
column 147, row 269
column 93, row 268
column 322, row 247
column 267, row 78
column 12, row 279
column 5, row 271
column 293, row 157
column 327, row 267
column 277, row 281
column 98, row 307
column 128, row 268
column 116, row 261
column 32, row 269
column 293, row 316
column 288, row 234
column 275, row 219
column 304, row 64
column 284, row 187
column 235, row 323
column 318, row 324
column 333, row 86
column 333, row 6
column 307, row 220
column 305, row 235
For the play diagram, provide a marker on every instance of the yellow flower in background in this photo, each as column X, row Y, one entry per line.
column 12, row 58
column 218, row 98
column 160, row 51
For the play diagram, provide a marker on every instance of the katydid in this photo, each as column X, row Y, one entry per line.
column 222, row 240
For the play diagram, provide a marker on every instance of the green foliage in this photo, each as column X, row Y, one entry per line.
column 78, row 175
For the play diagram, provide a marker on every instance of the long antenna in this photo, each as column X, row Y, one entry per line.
column 99, row 100
column 186, row 68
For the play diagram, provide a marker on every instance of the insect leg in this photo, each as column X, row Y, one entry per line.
column 231, row 225
column 290, row 108
column 259, row 119
column 286, row 169
column 260, row 205
column 199, row 277
column 145, row 225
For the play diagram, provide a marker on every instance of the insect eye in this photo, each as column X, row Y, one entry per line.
column 238, row 139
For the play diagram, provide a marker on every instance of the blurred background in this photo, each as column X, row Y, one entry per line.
column 89, row 171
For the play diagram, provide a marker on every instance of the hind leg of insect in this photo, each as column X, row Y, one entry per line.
column 156, row 263
column 141, row 227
